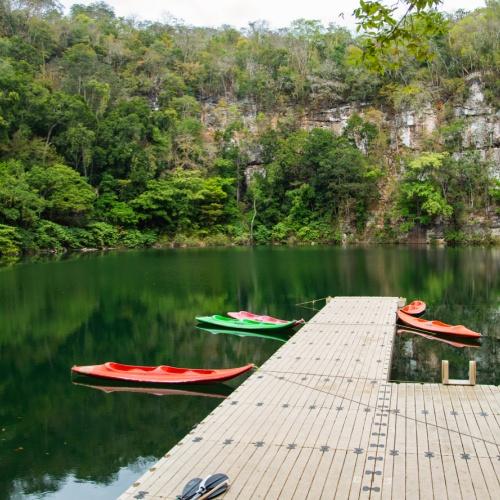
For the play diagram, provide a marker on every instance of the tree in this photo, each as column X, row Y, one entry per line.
column 474, row 42
column 423, row 192
column 78, row 142
column 68, row 197
column 184, row 201
column 19, row 204
column 387, row 39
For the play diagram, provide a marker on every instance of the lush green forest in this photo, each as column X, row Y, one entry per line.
column 119, row 133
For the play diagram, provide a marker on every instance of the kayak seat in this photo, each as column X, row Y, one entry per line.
column 118, row 367
column 173, row 369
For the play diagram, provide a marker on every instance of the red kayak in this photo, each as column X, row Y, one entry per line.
column 436, row 326
column 159, row 374
column 262, row 318
column 415, row 308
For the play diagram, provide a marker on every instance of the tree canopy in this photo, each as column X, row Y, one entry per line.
column 146, row 131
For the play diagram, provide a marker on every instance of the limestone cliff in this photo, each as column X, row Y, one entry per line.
column 408, row 128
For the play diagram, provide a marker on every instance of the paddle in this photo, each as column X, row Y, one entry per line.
column 221, row 488
column 210, row 487
column 190, row 489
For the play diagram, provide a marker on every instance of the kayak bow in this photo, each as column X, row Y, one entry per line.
column 159, row 374
column 415, row 308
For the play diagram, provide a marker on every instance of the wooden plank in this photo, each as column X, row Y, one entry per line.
column 449, row 466
column 476, row 425
column 461, row 464
column 390, row 459
column 439, row 483
column 423, row 448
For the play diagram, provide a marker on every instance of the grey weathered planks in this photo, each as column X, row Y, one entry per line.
column 320, row 420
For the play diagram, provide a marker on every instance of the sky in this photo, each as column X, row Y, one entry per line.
column 238, row 13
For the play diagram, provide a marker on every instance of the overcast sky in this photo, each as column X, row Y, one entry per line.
column 238, row 13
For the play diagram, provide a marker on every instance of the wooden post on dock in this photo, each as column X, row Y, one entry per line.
column 445, row 374
column 472, row 372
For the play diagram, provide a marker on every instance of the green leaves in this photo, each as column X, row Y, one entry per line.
column 436, row 187
column 387, row 41
column 67, row 195
column 19, row 203
column 184, row 201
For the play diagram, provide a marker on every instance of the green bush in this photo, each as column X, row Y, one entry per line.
column 133, row 238
column 280, row 232
column 455, row 237
column 261, row 235
column 308, row 234
column 103, row 235
column 10, row 241
column 53, row 237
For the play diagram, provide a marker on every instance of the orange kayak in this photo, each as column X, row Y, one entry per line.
column 159, row 374
column 262, row 318
column 415, row 308
column 436, row 326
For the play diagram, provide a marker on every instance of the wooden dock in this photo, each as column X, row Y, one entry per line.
column 321, row 420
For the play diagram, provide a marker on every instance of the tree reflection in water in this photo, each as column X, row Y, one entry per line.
column 139, row 308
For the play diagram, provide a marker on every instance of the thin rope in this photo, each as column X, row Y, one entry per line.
column 396, row 414
column 312, row 302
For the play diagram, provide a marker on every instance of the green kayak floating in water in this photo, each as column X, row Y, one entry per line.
column 242, row 333
column 244, row 324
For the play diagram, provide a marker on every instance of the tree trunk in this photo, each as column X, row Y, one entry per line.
column 47, row 141
column 253, row 219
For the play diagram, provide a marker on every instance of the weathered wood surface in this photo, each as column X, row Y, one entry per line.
column 320, row 420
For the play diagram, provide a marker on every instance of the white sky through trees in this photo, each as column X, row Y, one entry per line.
column 238, row 13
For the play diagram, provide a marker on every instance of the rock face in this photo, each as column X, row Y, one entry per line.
column 482, row 130
column 407, row 127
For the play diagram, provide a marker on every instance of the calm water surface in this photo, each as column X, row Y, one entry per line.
column 60, row 440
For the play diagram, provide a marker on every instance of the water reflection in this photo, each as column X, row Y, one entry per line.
column 220, row 391
column 241, row 333
column 139, row 307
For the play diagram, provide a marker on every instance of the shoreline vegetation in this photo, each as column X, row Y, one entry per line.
column 116, row 133
column 223, row 241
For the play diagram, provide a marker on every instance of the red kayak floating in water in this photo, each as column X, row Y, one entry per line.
column 263, row 318
column 415, row 308
column 159, row 374
column 437, row 326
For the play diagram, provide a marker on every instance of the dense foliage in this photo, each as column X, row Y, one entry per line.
column 122, row 133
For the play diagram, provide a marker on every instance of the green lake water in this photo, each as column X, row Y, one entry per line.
column 60, row 440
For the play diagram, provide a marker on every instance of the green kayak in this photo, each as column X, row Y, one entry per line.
column 243, row 333
column 244, row 324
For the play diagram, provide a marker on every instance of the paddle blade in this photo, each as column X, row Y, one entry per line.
column 212, row 486
column 191, row 489
column 218, row 490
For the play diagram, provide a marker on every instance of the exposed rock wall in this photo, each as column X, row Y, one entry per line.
column 407, row 128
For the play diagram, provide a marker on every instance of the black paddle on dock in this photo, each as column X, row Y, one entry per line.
column 190, row 489
column 205, row 489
